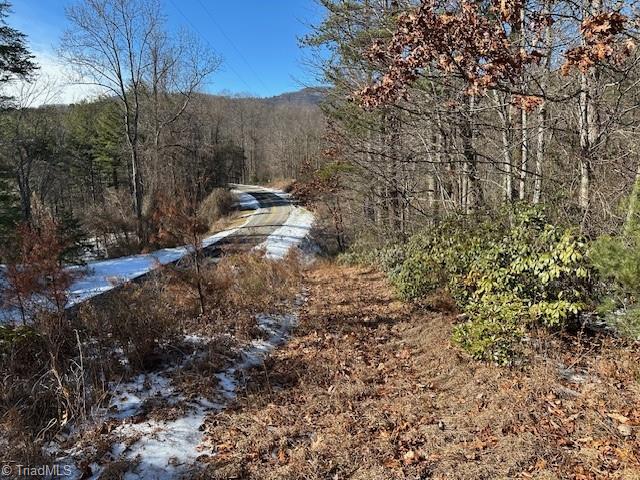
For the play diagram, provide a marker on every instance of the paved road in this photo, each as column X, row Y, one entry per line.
column 249, row 230
column 274, row 211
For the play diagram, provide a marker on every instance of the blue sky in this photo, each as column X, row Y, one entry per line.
column 257, row 39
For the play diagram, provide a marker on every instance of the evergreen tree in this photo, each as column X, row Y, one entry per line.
column 15, row 61
column 108, row 146
column 9, row 205
column 15, row 58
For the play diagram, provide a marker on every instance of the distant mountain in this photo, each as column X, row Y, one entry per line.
column 306, row 96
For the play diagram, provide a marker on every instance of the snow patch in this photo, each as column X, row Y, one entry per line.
column 245, row 201
column 168, row 449
column 99, row 277
column 291, row 234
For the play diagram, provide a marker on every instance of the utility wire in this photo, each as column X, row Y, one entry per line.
column 233, row 70
column 228, row 39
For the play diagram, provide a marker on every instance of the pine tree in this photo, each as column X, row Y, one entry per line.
column 15, row 61
column 9, row 205
column 108, row 147
column 15, row 58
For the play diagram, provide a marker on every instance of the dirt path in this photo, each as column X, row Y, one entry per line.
column 369, row 388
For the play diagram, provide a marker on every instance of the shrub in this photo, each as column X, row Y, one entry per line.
column 617, row 260
column 388, row 258
column 216, row 205
column 134, row 319
column 505, row 273
column 496, row 326
column 43, row 385
column 112, row 224
column 252, row 283
column 439, row 256
column 540, row 263
column 35, row 278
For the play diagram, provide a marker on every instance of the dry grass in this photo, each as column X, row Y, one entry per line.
column 45, row 384
column 242, row 285
column 284, row 184
column 136, row 320
column 218, row 204
column 369, row 389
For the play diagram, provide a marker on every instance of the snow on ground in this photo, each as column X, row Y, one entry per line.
column 290, row 234
column 166, row 449
column 162, row 449
column 101, row 276
column 245, row 201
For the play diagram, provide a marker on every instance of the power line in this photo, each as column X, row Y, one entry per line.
column 233, row 70
column 228, row 39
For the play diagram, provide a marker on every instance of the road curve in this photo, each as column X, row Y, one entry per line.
column 248, row 231
column 251, row 229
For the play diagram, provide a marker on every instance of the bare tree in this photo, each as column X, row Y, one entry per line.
column 177, row 69
column 24, row 130
column 108, row 45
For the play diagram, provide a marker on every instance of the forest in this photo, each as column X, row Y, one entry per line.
column 83, row 165
column 425, row 265
column 487, row 148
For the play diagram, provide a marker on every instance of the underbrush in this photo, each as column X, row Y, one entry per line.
column 112, row 227
column 507, row 274
column 243, row 285
column 617, row 260
column 216, row 205
column 57, row 370
column 370, row 389
column 284, row 184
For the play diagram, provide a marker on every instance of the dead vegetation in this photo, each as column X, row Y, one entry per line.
column 55, row 372
column 370, row 388
column 217, row 205
column 284, row 184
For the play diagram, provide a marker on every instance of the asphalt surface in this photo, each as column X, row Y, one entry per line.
column 273, row 213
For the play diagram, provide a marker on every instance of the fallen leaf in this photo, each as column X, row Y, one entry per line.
column 410, row 457
column 618, row 418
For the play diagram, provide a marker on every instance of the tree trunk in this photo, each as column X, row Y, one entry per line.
column 540, row 151
column 505, row 120
column 524, row 133
column 524, row 155
column 588, row 121
column 136, row 183
column 542, row 110
column 393, row 174
column 471, row 190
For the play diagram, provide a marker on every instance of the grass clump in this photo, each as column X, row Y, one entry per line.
column 216, row 205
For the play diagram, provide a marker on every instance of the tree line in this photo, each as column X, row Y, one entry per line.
column 102, row 166
column 442, row 107
column 486, row 153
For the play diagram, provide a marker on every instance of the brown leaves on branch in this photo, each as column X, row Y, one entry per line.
column 601, row 37
column 465, row 41
column 528, row 103
column 482, row 48
column 509, row 9
column 35, row 275
column 176, row 220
